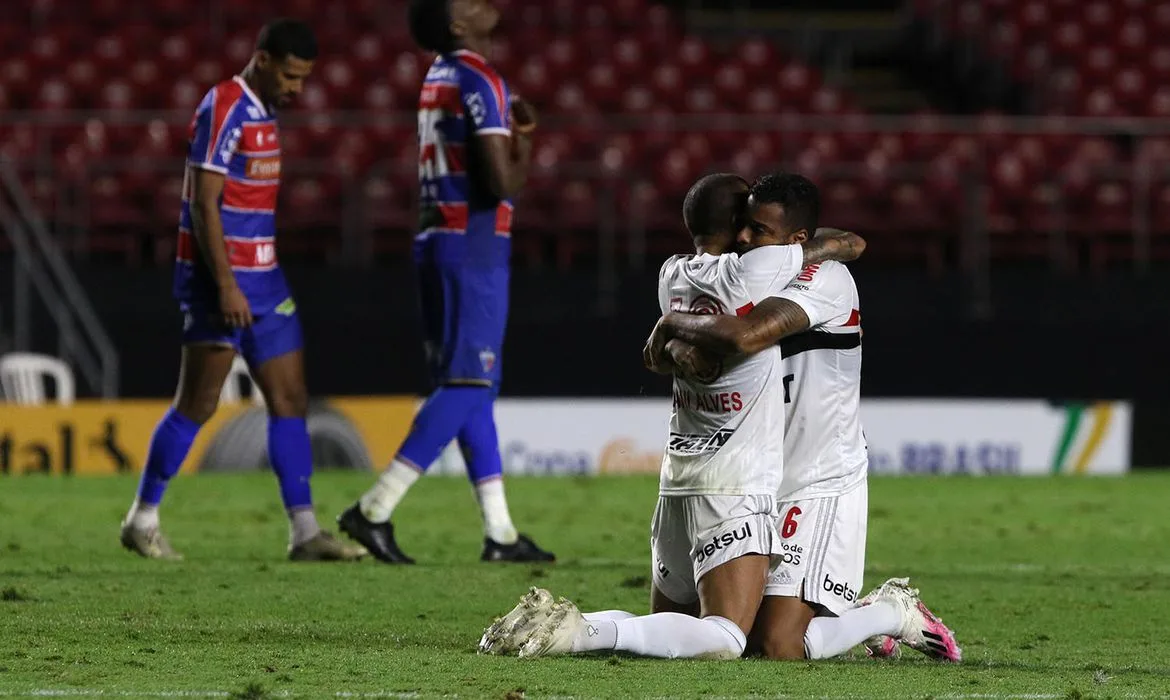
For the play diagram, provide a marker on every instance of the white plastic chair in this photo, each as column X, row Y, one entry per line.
column 23, row 378
column 232, row 392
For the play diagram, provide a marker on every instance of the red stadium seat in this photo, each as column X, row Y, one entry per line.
column 1131, row 38
column 1069, row 39
column 380, row 97
column 1101, row 103
column 694, row 57
column 1032, row 19
column 603, row 85
column 16, row 77
column 1159, row 103
column 1099, row 63
column 1100, row 18
column 54, row 95
column 562, row 57
column 796, row 82
column 757, row 59
column 176, row 51
column 1130, row 91
column 730, row 83
column 637, row 99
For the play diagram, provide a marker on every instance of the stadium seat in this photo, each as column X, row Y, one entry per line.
column 23, row 378
column 239, row 381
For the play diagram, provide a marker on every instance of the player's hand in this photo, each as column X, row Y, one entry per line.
column 693, row 363
column 654, row 352
column 523, row 115
column 237, row 313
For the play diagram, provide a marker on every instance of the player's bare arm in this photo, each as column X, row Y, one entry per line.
column 724, row 336
column 208, row 232
column 507, row 157
column 832, row 244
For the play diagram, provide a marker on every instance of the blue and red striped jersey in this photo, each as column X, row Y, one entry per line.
column 462, row 98
column 235, row 134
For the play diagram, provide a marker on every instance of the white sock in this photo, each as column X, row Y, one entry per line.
column 143, row 516
column 497, row 521
column 379, row 502
column 302, row 525
column 608, row 615
column 827, row 637
column 665, row 636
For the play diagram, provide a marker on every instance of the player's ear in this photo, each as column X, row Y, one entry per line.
column 800, row 236
column 263, row 59
column 457, row 29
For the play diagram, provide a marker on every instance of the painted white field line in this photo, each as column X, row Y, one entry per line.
column 97, row 692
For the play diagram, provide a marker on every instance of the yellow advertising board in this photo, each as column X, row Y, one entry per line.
column 109, row 437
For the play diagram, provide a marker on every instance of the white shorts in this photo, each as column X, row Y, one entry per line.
column 691, row 535
column 822, row 543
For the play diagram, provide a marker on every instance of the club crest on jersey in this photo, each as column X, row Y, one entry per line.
column 229, row 145
column 487, row 359
column 705, row 305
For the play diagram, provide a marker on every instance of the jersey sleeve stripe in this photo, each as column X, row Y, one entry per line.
column 494, row 81
column 224, row 99
column 209, row 167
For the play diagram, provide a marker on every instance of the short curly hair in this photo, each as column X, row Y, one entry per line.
column 796, row 193
column 430, row 25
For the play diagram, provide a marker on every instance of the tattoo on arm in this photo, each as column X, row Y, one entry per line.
column 769, row 322
column 832, row 244
column 725, row 336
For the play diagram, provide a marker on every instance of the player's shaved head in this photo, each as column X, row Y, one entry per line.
column 430, row 25
column 714, row 206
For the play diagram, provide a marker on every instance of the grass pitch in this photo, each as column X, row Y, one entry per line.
column 1056, row 587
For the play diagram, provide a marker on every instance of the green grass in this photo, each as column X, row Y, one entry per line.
column 1058, row 587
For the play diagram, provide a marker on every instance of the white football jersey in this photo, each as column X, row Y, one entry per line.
column 726, row 435
column 824, row 447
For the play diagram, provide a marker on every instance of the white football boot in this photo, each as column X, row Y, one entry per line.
column 554, row 634
column 921, row 630
column 507, row 633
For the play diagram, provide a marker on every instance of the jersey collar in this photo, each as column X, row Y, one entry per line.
column 251, row 95
column 469, row 52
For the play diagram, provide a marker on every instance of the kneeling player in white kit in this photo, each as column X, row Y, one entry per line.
column 714, row 533
column 811, row 607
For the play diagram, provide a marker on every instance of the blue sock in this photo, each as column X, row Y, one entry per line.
column 291, row 456
column 169, row 446
column 481, row 445
column 439, row 421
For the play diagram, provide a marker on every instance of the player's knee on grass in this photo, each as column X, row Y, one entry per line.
column 660, row 603
column 778, row 632
column 735, row 589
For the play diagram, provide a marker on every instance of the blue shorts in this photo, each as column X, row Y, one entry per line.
column 272, row 334
column 465, row 311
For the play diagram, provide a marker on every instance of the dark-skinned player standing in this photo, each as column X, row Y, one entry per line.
column 475, row 146
column 234, row 296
